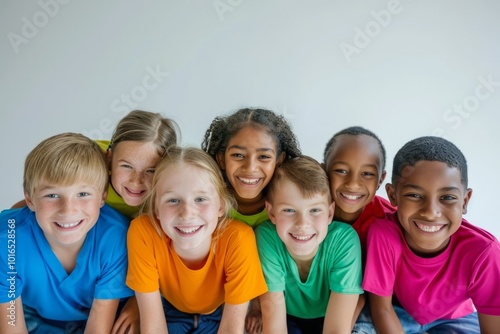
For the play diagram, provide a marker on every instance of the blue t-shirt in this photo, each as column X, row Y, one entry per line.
column 336, row 267
column 29, row 267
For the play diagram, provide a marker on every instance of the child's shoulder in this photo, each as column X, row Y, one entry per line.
column 15, row 219
column 468, row 232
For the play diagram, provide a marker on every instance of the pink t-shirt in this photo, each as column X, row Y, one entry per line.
column 447, row 286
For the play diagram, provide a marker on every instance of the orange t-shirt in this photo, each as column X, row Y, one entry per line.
column 232, row 274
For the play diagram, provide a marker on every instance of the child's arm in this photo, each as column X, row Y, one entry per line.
column 12, row 317
column 383, row 315
column 102, row 316
column 273, row 310
column 339, row 312
column 489, row 324
column 151, row 312
column 128, row 321
column 253, row 321
column 233, row 318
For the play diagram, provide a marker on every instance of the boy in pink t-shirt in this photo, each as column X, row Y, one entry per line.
column 427, row 268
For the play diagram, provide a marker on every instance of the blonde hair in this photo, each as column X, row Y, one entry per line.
column 178, row 156
column 303, row 171
column 145, row 126
column 65, row 159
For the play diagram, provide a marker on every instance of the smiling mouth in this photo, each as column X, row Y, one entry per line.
column 429, row 228
column 302, row 237
column 188, row 230
column 250, row 182
column 68, row 225
column 135, row 193
column 351, row 197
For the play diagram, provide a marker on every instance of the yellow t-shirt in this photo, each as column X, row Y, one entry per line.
column 113, row 199
column 232, row 274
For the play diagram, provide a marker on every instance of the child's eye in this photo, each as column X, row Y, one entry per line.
column 448, row 197
column 126, row 166
column 264, row 157
column 173, row 201
column 412, row 195
column 288, row 210
column 340, row 171
column 51, row 196
column 200, row 199
column 315, row 210
column 83, row 194
column 151, row 171
column 237, row 155
column 369, row 174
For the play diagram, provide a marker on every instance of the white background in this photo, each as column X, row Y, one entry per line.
column 402, row 69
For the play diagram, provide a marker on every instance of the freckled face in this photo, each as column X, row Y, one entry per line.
column 132, row 167
column 354, row 170
column 431, row 200
column 66, row 213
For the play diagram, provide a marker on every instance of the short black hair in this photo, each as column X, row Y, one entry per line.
column 429, row 148
column 355, row 131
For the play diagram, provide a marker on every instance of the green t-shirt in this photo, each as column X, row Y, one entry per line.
column 251, row 220
column 336, row 267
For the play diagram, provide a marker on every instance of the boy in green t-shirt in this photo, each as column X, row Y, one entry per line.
column 312, row 265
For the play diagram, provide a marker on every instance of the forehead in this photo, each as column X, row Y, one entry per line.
column 430, row 174
column 355, row 148
column 130, row 150
column 252, row 136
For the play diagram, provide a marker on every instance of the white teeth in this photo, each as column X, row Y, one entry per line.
column 189, row 230
column 67, row 225
column 302, row 237
column 351, row 197
column 249, row 181
column 431, row 229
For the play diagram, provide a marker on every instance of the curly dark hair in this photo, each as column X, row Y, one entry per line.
column 429, row 148
column 224, row 128
column 355, row 131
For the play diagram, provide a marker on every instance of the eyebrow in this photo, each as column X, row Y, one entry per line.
column 261, row 149
column 414, row 186
column 365, row 165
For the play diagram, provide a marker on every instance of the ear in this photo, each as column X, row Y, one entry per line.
column 391, row 194
column 29, row 202
column 219, row 157
column 280, row 159
column 382, row 178
column 270, row 212
column 222, row 209
column 104, row 196
column 331, row 211
column 468, row 194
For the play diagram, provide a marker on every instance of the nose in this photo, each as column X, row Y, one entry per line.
column 136, row 177
column 431, row 209
column 353, row 181
column 250, row 164
column 302, row 221
column 67, row 206
column 186, row 211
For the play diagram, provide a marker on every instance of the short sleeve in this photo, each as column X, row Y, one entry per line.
column 269, row 247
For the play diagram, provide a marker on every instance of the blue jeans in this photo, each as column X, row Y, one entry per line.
column 464, row 325
column 180, row 322
column 297, row 325
column 38, row 325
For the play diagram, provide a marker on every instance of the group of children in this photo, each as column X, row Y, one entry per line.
column 245, row 234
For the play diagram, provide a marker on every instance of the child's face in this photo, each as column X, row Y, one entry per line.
column 66, row 213
column 301, row 223
column 132, row 166
column 353, row 169
column 188, row 208
column 431, row 200
column 249, row 162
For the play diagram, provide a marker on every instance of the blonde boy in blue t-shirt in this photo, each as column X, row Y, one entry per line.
column 312, row 265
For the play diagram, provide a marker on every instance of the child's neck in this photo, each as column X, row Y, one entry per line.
column 251, row 206
column 304, row 266
column 194, row 258
column 346, row 217
column 67, row 257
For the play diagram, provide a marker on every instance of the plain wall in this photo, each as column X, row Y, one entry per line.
column 402, row 69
